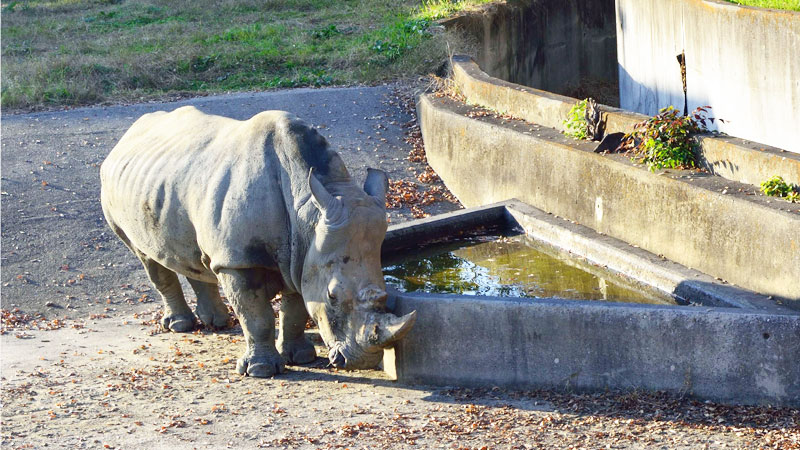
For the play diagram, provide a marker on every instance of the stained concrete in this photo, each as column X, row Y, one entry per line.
column 701, row 221
column 720, row 354
column 742, row 61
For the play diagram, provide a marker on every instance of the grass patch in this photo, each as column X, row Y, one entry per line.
column 791, row 5
column 75, row 52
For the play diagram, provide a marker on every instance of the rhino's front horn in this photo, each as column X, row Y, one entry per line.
column 392, row 328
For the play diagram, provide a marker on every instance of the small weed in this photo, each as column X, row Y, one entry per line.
column 776, row 187
column 325, row 32
column 667, row 140
column 575, row 124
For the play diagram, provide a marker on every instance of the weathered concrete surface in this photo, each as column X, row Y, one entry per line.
column 748, row 162
column 722, row 354
column 742, row 61
column 555, row 45
column 732, row 158
column 684, row 216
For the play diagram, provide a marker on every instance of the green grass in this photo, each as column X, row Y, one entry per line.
column 791, row 5
column 77, row 52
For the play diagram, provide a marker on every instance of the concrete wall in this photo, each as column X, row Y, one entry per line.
column 742, row 239
column 744, row 62
column 728, row 157
column 719, row 354
column 561, row 46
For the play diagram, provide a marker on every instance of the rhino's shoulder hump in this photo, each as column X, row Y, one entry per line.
column 302, row 141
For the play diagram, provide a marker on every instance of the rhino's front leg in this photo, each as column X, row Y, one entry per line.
column 249, row 291
column 292, row 342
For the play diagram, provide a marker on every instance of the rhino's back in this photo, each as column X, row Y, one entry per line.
column 197, row 192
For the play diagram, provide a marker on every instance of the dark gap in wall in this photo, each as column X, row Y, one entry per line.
column 682, row 61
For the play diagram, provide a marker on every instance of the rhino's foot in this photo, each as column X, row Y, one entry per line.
column 260, row 364
column 297, row 351
column 179, row 323
column 216, row 319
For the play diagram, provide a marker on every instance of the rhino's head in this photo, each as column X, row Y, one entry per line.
column 342, row 281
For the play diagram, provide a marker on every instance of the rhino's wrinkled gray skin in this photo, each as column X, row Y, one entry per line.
column 259, row 206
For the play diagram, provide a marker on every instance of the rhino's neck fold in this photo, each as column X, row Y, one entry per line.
column 303, row 224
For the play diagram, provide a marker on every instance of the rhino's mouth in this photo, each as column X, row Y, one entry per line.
column 353, row 357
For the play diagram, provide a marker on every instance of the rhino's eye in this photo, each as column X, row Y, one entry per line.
column 331, row 297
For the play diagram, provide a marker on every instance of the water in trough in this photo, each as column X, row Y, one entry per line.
column 510, row 266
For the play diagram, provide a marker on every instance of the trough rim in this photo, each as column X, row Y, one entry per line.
column 664, row 275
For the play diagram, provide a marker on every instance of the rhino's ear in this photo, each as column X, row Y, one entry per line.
column 377, row 184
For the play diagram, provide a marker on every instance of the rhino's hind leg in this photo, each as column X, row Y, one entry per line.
column 210, row 308
column 292, row 342
column 249, row 291
column 177, row 314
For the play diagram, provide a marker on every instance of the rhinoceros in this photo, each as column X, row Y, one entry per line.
column 258, row 207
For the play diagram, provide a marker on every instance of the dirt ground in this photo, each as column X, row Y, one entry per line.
column 85, row 365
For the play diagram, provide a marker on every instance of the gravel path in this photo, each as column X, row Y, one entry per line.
column 84, row 364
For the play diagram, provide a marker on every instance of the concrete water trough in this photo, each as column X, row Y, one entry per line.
column 718, row 342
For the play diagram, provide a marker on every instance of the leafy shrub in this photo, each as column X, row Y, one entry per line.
column 575, row 124
column 776, row 187
column 667, row 140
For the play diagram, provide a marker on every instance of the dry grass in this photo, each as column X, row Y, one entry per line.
column 74, row 52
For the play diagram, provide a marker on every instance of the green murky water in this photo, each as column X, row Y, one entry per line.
column 514, row 266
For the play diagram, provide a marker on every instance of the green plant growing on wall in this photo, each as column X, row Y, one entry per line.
column 575, row 124
column 667, row 140
column 776, row 187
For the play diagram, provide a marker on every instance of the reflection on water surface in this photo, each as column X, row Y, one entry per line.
column 514, row 266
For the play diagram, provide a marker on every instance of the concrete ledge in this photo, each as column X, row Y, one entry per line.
column 731, row 158
column 719, row 354
column 451, row 224
column 679, row 281
column 742, row 239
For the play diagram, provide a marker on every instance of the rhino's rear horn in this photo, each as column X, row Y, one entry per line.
column 373, row 295
column 392, row 328
column 330, row 206
column 322, row 198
